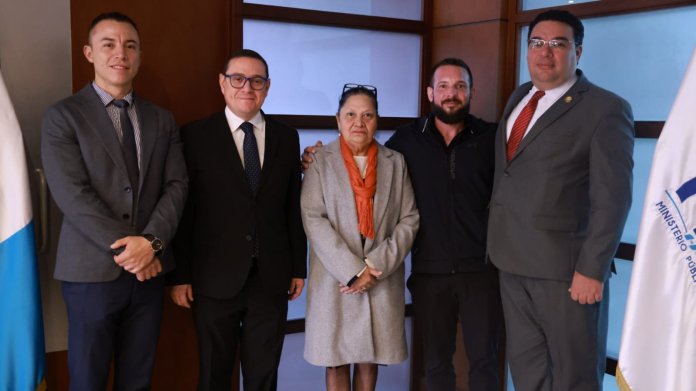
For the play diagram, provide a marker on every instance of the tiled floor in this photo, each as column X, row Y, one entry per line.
column 296, row 374
column 609, row 384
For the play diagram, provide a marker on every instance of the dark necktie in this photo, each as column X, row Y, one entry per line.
column 252, row 163
column 130, row 151
column 521, row 124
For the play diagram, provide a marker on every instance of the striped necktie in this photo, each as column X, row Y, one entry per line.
column 521, row 124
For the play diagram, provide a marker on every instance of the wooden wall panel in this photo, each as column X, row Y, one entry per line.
column 455, row 12
column 479, row 45
column 184, row 44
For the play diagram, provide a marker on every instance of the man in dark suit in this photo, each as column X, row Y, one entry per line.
column 241, row 249
column 115, row 168
column 562, row 191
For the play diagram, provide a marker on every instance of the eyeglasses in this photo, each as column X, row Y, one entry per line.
column 557, row 44
column 238, row 81
column 352, row 86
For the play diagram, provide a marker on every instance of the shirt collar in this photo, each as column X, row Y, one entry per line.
column 106, row 98
column 553, row 94
column 234, row 121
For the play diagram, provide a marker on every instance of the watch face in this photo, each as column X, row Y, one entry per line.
column 156, row 244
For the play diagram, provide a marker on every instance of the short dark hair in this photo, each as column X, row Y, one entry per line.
column 245, row 53
column 456, row 62
column 359, row 90
column 561, row 16
column 117, row 16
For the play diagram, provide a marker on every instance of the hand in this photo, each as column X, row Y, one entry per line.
column 375, row 273
column 150, row 271
column 366, row 281
column 296, row 285
column 137, row 253
column 182, row 295
column 307, row 155
column 586, row 290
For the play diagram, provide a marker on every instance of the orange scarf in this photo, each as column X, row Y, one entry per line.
column 363, row 190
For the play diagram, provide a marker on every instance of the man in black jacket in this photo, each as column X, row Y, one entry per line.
column 449, row 155
column 241, row 251
column 450, row 159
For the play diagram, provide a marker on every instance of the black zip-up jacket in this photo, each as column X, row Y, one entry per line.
column 453, row 188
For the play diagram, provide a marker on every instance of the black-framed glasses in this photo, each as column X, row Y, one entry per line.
column 352, row 86
column 238, row 81
column 556, row 43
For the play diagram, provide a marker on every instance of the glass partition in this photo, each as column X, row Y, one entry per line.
column 640, row 56
column 401, row 9
column 535, row 4
column 310, row 65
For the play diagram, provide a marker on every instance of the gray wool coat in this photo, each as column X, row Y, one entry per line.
column 366, row 328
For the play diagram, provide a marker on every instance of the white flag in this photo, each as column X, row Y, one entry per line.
column 658, row 346
column 21, row 326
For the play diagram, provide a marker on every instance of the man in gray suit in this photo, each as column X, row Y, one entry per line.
column 562, row 191
column 115, row 168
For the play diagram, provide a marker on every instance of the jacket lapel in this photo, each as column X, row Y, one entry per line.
column 270, row 151
column 344, row 194
column 385, row 174
column 95, row 114
column 560, row 107
column 514, row 100
column 222, row 138
column 148, row 136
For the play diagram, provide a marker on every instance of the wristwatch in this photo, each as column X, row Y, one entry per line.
column 155, row 242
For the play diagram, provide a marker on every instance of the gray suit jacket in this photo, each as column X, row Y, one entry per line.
column 560, row 205
column 344, row 328
column 87, row 176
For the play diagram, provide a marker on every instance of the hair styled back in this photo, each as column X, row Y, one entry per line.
column 561, row 16
column 246, row 53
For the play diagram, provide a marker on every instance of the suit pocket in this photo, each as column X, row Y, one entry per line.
column 555, row 223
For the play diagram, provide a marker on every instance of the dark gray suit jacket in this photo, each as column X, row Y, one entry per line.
column 87, row 176
column 560, row 205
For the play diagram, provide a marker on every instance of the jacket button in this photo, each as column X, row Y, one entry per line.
column 248, row 238
column 127, row 189
column 126, row 216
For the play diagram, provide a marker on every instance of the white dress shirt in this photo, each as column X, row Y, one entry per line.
column 238, row 134
column 550, row 97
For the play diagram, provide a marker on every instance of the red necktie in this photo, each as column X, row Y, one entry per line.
column 521, row 124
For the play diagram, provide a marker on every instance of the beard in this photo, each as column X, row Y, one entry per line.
column 450, row 118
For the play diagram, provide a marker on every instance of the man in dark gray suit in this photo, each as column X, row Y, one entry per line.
column 115, row 168
column 562, row 191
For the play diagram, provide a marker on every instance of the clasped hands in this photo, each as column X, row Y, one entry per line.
column 137, row 257
column 363, row 283
column 586, row 290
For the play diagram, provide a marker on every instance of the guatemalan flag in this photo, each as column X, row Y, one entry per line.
column 658, row 346
column 21, row 327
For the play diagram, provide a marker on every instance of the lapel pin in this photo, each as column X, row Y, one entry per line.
column 568, row 99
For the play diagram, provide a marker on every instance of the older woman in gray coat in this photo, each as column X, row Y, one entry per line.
column 360, row 216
